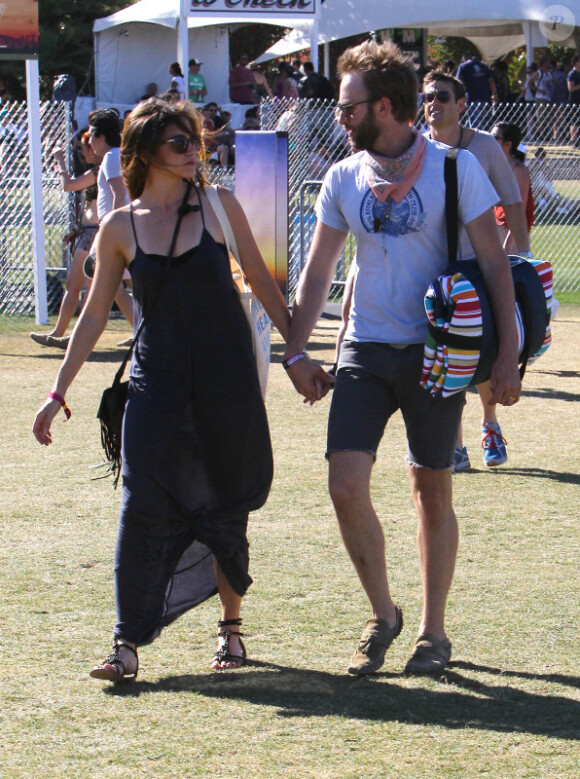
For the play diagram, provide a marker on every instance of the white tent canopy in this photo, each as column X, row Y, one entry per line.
column 495, row 27
column 136, row 45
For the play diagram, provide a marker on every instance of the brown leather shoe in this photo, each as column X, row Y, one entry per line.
column 44, row 339
column 430, row 656
column 377, row 637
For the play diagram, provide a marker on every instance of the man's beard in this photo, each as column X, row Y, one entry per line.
column 364, row 136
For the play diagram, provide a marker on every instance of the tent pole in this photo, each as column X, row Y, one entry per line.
column 34, row 147
column 314, row 43
column 183, row 40
column 529, row 42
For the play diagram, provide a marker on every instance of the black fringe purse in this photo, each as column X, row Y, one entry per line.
column 114, row 398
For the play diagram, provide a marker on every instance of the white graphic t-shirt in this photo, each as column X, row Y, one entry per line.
column 402, row 246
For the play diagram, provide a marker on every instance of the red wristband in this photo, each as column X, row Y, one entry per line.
column 62, row 401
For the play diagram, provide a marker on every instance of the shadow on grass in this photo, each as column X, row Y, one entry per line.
column 106, row 355
column 536, row 473
column 550, row 394
column 559, row 374
column 456, row 701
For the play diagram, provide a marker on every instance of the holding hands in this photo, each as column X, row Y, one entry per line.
column 309, row 379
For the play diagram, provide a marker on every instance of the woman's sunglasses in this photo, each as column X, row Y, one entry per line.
column 442, row 95
column 181, row 144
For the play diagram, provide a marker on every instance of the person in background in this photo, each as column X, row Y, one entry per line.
column 297, row 72
column 290, row 84
column 559, row 100
column 226, row 136
column 81, row 239
column 252, row 119
column 478, row 81
column 542, row 84
column 502, row 81
column 315, row 86
column 509, row 137
column 214, row 148
column 444, row 106
column 196, row 82
column 263, row 89
column 105, row 140
column 480, row 88
column 574, row 97
column 242, row 82
column 528, row 89
column 150, row 91
column 177, row 79
column 197, row 456
column 215, row 114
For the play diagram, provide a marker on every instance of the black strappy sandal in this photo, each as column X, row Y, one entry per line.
column 113, row 669
column 223, row 655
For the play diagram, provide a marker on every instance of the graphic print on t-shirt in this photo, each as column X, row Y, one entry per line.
column 390, row 217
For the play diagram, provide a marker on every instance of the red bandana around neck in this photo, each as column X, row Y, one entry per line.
column 404, row 170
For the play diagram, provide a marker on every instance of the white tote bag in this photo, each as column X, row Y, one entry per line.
column 258, row 319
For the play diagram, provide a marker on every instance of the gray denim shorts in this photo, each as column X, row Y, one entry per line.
column 87, row 236
column 373, row 381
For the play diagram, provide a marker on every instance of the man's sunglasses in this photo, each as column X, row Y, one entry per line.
column 181, row 144
column 347, row 109
column 442, row 95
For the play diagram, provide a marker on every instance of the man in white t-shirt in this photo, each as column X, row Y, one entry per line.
column 105, row 139
column 443, row 104
column 391, row 196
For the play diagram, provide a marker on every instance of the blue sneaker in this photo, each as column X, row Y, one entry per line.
column 461, row 459
column 493, row 444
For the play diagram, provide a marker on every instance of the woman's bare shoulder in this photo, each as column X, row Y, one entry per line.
column 118, row 219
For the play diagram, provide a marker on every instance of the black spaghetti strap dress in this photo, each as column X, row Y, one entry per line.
column 196, row 447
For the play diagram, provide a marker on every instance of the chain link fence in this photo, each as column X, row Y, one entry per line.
column 316, row 141
column 16, row 257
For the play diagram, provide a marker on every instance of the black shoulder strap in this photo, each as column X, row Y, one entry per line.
column 182, row 211
column 451, row 201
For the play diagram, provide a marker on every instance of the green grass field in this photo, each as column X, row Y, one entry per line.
column 508, row 707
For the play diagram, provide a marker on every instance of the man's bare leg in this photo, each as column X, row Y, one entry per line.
column 437, row 541
column 361, row 531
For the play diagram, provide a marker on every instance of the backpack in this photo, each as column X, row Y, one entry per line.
column 64, row 88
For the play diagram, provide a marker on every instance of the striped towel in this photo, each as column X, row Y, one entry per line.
column 452, row 305
column 545, row 272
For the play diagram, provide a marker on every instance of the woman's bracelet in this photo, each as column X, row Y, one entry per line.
column 62, row 401
column 287, row 363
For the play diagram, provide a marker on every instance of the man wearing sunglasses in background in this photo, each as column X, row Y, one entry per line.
column 443, row 106
column 391, row 196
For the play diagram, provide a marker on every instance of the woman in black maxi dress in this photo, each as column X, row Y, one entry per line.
column 196, row 447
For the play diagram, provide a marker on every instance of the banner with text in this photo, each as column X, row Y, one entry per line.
column 307, row 9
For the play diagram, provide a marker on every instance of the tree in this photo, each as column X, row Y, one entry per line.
column 66, row 44
column 450, row 48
